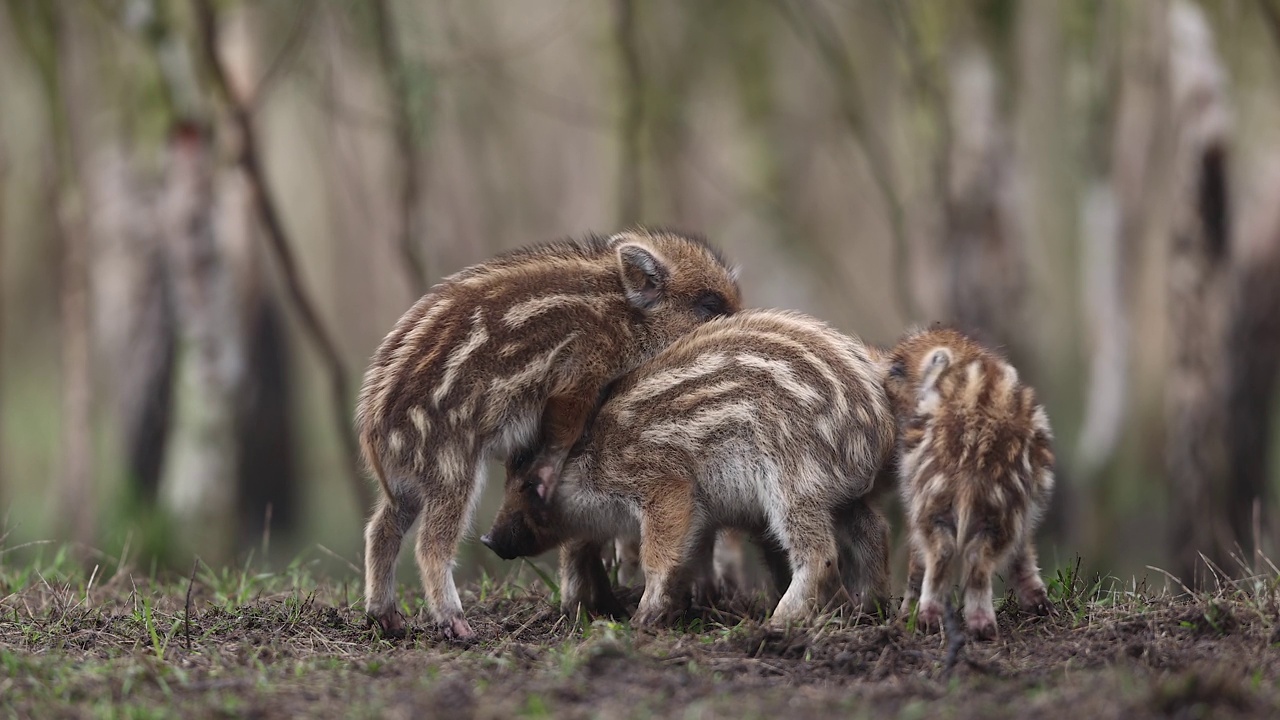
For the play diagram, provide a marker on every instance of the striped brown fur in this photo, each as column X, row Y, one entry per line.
column 975, row 466
column 511, row 353
column 766, row 421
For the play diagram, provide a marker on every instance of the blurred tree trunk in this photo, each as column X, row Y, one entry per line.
column 236, row 89
column 1196, row 454
column 233, row 474
column 4, row 185
column 266, row 478
column 202, row 378
column 671, row 70
column 199, row 483
column 1133, row 91
column 133, row 321
column 134, row 318
column 1253, row 339
column 135, row 271
column 145, row 389
column 70, row 98
column 983, row 237
column 267, row 473
column 1106, row 313
column 1253, row 352
column 76, row 507
column 630, row 176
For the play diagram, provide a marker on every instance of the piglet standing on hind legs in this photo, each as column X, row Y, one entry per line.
column 976, row 472
column 511, row 353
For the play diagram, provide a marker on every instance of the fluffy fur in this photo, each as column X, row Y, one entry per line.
column 508, row 354
column 976, row 472
column 766, row 421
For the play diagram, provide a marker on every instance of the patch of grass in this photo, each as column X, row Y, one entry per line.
column 547, row 581
column 284, row 643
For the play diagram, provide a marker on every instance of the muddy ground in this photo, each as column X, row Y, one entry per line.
column 277, row 645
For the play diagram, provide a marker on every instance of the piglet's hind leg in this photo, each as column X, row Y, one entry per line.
column 811, row 545
column 665, row 539
column 444, row 520
column 382, row 539
column 1028, row 585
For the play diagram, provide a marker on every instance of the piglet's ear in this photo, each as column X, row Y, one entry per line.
column 644, row 275
column 939, row 359
column 546, row 483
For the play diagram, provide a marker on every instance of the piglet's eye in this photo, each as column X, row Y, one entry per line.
column 709, row 305
column 520, row 460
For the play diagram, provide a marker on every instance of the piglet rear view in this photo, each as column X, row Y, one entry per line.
column 976, row 473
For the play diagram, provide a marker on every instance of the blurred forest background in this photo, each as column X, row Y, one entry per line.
column 213, row 210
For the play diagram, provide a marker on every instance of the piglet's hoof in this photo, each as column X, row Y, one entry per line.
column 904, row 610
column 390, row 625
column 1037, row 603
column 649, row 619
column 610, row 607
column 982, row 625
column 457, row 628
column 929, row 617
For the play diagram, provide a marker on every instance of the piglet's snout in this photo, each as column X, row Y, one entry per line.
column 501, row 544
column 502, row 552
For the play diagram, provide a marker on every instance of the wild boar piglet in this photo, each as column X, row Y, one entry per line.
column 511, row 353
column 766, row 421
column 975, row 467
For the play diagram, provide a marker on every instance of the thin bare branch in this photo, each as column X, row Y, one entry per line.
column 251, row 162
column 956, row 638
column 301, row 29
column 808, row 20
column 186, row 616
column 571, row 111
column 393, row 66
column 319, row 91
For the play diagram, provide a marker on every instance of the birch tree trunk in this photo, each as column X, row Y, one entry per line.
column 134, row 326
column 198, row 486
column 1116, row 219
column 1196, row 455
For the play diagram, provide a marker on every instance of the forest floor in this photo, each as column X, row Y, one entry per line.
column 282, row 644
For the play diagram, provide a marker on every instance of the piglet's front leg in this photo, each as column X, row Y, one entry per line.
column 584, row 585
column 563, row 422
